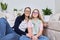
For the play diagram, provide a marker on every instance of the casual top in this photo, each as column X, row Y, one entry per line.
column 23, row 25
column 36, row 26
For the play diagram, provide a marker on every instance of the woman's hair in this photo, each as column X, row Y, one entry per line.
column 23, row 16
column 39, row 16
column 28, row 8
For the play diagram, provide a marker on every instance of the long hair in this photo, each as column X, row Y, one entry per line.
column 28, row 8
column 39, row 16
column 23, row 16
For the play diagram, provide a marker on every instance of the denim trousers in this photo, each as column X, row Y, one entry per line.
column 6, row 32
column 24, row 37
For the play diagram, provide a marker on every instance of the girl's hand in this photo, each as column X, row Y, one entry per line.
column 45, row 24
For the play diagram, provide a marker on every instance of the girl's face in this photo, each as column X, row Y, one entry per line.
column 27, row 12
column 35, row 14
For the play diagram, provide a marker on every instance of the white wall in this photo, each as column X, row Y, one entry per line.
column 21, row 4
column 57, row 6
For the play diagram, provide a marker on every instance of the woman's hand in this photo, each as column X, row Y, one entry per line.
column 34, row 38
column 29, row 35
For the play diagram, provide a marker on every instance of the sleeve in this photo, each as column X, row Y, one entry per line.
column 41, row 25
column 30, row 24
column 16, row 26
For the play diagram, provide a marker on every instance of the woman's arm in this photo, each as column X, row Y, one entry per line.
column 16, row 26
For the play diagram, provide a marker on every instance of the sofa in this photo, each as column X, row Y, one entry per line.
column 53, row 29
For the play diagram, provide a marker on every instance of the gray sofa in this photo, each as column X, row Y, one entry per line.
column 53, row 30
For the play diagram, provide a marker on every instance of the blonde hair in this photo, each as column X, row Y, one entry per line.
column 39, row 16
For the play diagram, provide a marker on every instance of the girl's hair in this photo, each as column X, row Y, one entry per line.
column 39, row 16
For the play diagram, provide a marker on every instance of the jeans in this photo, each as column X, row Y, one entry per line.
column 11, row 36
column 6, row 32
column 27, row 38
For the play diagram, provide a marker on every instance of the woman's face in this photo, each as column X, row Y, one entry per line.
column 35, row 14
column 27, row 12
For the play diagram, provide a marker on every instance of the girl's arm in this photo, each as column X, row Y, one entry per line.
column 39, row 33
column 30, row 29
column 41, row 30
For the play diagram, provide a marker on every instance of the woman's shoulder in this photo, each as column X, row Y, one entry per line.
column 30, row 20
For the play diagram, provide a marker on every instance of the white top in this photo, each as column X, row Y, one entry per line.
column 36, row 26
column 23, row 25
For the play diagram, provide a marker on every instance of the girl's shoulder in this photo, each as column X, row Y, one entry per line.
column 40, row 21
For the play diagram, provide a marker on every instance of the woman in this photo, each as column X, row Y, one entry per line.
column 7, row 33
column 35, row 27
column 20, row 25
